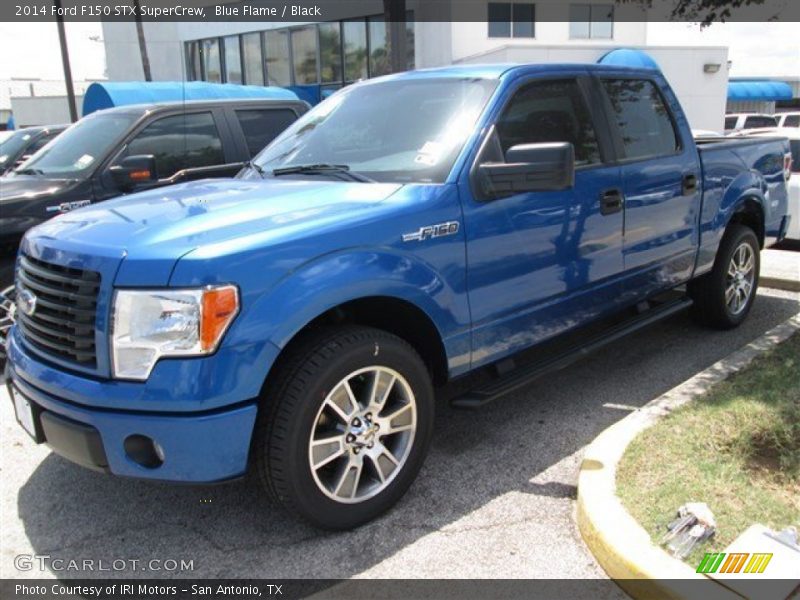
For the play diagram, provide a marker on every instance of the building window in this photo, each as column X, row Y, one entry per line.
column 410, row 41
column 253, row 59
column 212, row 71
column 233, row 59
column 330, row 52
column 194, row 69
column 378, row 47
column 304, row 55
column 355, row 50
column 591, row 21
column 506, row 19
column 277, row 49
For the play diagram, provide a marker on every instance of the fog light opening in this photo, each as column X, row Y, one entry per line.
column 144, row 451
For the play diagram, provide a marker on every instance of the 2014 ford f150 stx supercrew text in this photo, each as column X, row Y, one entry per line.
column 407, row 231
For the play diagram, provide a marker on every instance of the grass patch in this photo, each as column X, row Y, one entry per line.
column 736, row 448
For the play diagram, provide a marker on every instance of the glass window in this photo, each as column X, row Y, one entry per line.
column 233, row 59
column 355, row 50
column 253, row 59
column 523, row 17
column 40, row 143
column 76, row 152
column 304, row 55
column 551, row 111
column 379, row 59
column 499, row 19
column 410, row 41
column 212, row 71
column 330, row 49
column 792, row 121
column 179, row 142
column 594, row 21
column 194, row 70
column 393, row 131
column 759, row 121
column 260, row 127
column 277, row 48
column 730, row 122
column 641, row 118
column 795, row 148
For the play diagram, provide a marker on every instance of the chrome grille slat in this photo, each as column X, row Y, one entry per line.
column 63, row 323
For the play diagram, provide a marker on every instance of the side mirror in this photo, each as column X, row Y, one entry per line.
column 529, row 168
column 134, row 171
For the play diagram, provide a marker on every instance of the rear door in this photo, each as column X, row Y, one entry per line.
column 660, row 182
column 255, row 127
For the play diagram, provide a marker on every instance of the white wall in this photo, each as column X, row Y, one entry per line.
column 164, row 51
column 42, row 110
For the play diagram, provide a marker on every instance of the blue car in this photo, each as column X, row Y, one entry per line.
column 297, row 320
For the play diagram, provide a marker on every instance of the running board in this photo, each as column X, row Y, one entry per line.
column 522, row 376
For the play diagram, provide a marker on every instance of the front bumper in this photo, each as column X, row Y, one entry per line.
column 197, row 447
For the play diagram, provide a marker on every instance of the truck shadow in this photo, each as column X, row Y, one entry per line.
column 521, row 453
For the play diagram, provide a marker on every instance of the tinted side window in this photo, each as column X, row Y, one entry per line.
column 641, row 117
column 40, row 143
column 262, row 126
column 180, row 142
column 730, row 122
column 792, row 121
column 757, row 121
column 550, row 111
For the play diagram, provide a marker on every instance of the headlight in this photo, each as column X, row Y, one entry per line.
column 150, row 324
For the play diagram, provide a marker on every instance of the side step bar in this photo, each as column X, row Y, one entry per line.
column 522, row 376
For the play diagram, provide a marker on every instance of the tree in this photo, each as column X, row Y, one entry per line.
column 704, row 11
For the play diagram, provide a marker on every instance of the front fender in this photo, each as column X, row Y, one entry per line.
column 340, row 277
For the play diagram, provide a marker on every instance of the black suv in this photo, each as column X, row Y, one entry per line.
column 21, row 144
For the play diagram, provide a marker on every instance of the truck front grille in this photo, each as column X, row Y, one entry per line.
column 62, row 321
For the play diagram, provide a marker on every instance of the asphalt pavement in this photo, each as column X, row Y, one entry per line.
column 495, row 498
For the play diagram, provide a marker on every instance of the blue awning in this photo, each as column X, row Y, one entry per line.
column 628, row 57
column 10, row 123
column 759, row 90
column 102, row 95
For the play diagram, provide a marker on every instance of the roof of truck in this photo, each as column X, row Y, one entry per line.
column 496, row 71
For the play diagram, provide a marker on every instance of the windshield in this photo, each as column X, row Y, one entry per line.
column 73, row 154
column 14, row 143
column 390, row 131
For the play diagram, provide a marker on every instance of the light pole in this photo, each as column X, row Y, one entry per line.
column 62, row 39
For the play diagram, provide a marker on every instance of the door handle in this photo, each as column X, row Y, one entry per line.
column 611, row 201
column 689, row 184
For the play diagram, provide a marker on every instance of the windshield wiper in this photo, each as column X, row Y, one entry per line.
column 323, row 169
column 257, row 168
column 29, row 171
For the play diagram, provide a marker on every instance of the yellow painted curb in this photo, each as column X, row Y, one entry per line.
column 621, row 546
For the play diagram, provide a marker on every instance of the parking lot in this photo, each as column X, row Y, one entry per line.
column 495, row 498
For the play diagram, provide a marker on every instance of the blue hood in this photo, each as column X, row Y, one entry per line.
column 160, row 226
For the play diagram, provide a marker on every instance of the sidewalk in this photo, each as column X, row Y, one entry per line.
column 780, row 269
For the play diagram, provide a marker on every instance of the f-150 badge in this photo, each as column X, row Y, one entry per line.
column 432, row 231
column 68, row 206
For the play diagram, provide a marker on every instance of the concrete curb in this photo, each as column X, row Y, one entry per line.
column 790, row 285
column 621, row 546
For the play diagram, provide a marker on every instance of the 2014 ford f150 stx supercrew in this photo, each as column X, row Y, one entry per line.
column 405, row 232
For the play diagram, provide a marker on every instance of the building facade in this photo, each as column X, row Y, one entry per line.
column 318, row 58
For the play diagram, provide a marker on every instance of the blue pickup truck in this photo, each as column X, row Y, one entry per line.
column 295, row 321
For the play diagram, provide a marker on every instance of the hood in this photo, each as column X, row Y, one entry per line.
column 169, row 222
column 16, row 188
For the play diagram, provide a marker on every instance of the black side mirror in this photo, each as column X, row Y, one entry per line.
column 134, row 171
column 529, row 168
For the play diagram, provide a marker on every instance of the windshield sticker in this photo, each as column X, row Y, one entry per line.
column 429, row 154
column 84, row 161
column 3, row 158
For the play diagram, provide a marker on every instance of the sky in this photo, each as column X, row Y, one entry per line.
column 757, row 49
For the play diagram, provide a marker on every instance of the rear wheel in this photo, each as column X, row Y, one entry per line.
column 345, row 426
column 723, row 297
column 7, row 311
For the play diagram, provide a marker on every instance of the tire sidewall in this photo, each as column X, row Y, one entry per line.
column 312, row 503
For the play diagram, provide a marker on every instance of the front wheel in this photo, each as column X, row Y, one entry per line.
column 345, row 426
column 723, row 297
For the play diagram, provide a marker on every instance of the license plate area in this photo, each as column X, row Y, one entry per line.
column 27, row 414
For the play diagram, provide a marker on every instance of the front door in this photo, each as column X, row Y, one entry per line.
column 539, row 263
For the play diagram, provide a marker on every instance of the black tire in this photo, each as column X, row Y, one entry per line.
column 708, row 292
column 290, row 410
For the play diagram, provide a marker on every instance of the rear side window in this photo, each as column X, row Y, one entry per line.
column 641, row 117
column 730, row 122
column 550, row 111
column 180, row 142
column 759, row 121
column 795, row 146
column 260, row 127
column 40, row 143
column 792, row 121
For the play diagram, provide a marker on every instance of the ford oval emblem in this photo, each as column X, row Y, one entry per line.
column 26, row 302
